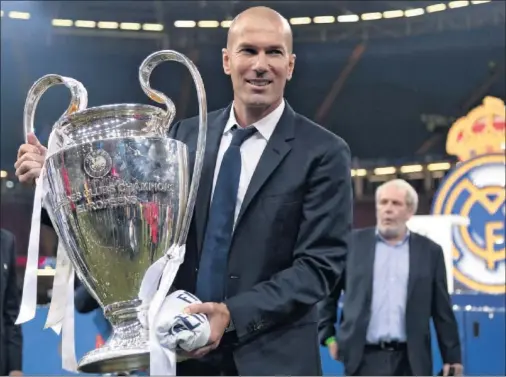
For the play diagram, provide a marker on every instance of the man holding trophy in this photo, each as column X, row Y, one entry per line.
column 269, row 234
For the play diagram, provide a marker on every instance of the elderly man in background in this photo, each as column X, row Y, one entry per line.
column 395, row 282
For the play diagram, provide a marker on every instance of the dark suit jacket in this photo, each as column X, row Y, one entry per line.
column 427, row 297
column 289, row 244
column 328, row 309
column 11, row 337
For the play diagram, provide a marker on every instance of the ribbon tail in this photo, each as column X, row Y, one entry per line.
column 163, row 362
column 59, row 297
column 29, row 299
column 69, row 360
column 151, row 279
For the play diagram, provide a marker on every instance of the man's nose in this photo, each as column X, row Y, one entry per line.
column 261, row 65
column 388, row 208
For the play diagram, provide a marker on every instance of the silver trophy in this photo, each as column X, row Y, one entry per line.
column 119, row 195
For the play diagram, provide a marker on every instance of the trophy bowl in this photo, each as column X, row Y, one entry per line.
column 119, row 194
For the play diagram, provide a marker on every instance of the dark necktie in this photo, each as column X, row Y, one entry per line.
column 211, row 276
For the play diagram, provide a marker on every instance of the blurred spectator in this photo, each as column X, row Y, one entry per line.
column 11, row 338
column 395, row 281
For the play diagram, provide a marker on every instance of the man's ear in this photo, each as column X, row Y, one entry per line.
column 226, row 61
column 291, row 66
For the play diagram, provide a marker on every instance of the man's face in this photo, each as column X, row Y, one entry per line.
column 259, row 61
column 392, row 211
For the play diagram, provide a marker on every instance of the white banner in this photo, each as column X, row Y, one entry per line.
column 439, row 229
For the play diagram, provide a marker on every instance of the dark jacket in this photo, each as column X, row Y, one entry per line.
column 11, row 337
column 427, row 298
column 289, row 243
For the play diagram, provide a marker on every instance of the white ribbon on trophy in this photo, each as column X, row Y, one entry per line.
column 60, row 316
column 29, row 299
column 154, row 288
column 439, row 229
column 61, row 313
column 163, row 311
column 58, row 303
column 64, row 270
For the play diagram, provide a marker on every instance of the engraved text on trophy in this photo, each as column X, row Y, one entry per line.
column 105, row 193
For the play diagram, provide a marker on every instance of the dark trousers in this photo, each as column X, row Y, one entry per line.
column 384, row 362
column 217, row 363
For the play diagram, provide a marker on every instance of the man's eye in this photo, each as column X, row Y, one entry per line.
column 276, row 52
column 248, row 50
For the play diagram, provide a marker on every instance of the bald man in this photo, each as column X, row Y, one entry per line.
column 270, row 231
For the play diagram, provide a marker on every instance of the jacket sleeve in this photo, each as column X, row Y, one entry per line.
column 173, row 130
column 319, row 254
column 443, row 315
column 13, row 332
column 327, row 311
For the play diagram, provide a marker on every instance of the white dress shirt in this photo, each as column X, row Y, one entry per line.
column 251, row 149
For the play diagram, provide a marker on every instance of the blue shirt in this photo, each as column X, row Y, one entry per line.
column 389, row 294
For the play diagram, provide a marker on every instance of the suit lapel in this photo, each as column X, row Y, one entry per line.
column 369, row 257
column 275, row 151
column 415, row 260
column 213, row 139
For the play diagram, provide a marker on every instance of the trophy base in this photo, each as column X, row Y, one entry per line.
column 127, row 349
column 114, row 362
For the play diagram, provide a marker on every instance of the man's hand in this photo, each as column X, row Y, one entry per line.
column 457, row 368
column 30, row 159
column 334, row 350
column 219, row 319
column 15, row 373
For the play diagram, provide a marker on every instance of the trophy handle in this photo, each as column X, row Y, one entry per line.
column 145, row 70
column 78, row 102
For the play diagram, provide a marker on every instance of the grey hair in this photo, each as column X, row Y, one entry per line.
column 411, row 194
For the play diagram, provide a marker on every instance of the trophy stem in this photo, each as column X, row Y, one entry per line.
column 127, row 349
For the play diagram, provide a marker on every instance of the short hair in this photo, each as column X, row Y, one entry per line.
column 411, row 194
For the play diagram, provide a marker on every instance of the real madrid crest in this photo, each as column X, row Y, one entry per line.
column 97, row 163
column 475, row 189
